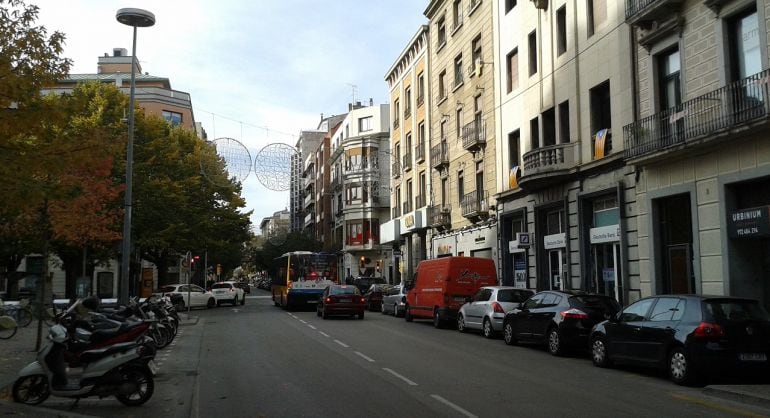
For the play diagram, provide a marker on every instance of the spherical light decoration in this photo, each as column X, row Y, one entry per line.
column 236, row 157
column 272, row 166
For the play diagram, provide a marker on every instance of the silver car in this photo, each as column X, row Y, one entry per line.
column 393, row 301
column 486, row 310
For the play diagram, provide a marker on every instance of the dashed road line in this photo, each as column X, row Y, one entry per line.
column 324, row 334
column 311, row 327
column 341, row 343
column 365, row 357
column 453, row 406
column 391, row 371
column 303, row 321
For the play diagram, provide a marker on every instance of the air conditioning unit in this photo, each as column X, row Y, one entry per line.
column 479, row 64
column 541, row 4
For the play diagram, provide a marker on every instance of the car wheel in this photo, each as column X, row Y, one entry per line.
column 461, row 323
column 235, row 300
column 408, row 314
column 599, row 355
column 361, row 315
column 324, row 315
column 437, row 322
column 243, row 300
column 487, row 329
column 508, row 335
column 555, row 347
column 679, row 368
column 211, row 303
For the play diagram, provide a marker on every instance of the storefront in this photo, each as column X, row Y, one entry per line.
column 476, row 241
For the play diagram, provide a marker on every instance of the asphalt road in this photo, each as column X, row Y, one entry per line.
column 259, row 360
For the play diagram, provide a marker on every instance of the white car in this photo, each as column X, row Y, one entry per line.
column 228, row 292
column 393, row 300
column 486, row 310
column 192, row 295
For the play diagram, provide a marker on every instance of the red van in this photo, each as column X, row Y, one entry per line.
column 440, row 286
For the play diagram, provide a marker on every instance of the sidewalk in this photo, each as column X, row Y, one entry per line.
column 19, row 351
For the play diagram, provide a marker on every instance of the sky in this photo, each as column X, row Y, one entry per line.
column 258, row 71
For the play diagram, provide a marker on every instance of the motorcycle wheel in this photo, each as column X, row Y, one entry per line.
column 165, row 337
column 136, row 387
column 31, row 390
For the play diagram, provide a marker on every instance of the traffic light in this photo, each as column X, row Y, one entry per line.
column 379, row 265
column 195, row 262
column 362, row 262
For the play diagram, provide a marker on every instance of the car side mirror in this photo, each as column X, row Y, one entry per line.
column 468, row 299
column 615, row 318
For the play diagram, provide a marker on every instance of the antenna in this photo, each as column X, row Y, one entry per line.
column 353, row 87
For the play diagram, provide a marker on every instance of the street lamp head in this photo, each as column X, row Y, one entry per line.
column 135, row 17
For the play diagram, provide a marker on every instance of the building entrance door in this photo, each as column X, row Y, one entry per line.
column 556, row 268
column 606, row 260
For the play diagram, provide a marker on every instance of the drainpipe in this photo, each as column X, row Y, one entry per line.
column 578, row 113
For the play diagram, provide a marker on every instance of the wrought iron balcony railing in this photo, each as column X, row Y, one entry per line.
column 395, row 212
column 639, row 11
column 439, row 216
column 475, row 204
column 419, row 152
column 474, row 134
column 407, row 161
column 695, row 121
column 407, row 207
column 419, row 201
column 439, row 155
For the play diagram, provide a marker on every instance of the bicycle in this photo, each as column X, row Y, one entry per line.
column 25, row 311
column 8, row 327
column 16, row 311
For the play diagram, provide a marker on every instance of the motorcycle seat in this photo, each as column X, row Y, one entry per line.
column 92, row 355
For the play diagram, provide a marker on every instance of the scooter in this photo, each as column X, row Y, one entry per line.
column 119, row 370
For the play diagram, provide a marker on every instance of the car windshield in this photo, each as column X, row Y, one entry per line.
column 734, row 310
column 166, row 289
column 604, row 303
column 221, row 286
column 510, row 295
column 344, row 290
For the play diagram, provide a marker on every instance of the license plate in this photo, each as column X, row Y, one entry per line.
column 344, row 301
column 752, row 356
column 219, row 292
column 459, row 299
column 153, row 367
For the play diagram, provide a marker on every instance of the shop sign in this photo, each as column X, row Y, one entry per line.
column 520, row 273
column 411, row 222
column 602, row 234
column 555, row 241
column 520, row 243
column 444, row 249
column 749, row 223
column 480, row 239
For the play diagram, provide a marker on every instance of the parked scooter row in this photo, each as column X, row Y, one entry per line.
column 100, row 352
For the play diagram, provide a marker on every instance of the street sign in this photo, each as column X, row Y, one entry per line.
column 397, row 253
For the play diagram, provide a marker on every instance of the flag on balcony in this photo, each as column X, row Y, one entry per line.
column 600, row 138
column 513, row 177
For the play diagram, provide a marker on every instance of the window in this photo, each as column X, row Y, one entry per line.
column 459, row 122
column 460, row 187
column 409, row 194
column 174, row 118
column 479, row 179
column 670, row 83
column 597, row 14
column 605, row 211
column 534, row 133
column 365, row 124
column 561, row 30
column 601, row 113
column 745, row 55
column 668, row 309
column 354, row 194
column 637, row 311
column 564, row 122
column 554, row 221
column 408, row 143
column 549, row 127
column 421, row 134
column 444, row 191
column 457, row 14
column 532, row 42
column 442, row 87
column 407, row 102
column 442, row 129
column 534, row 301
column 513, row 70
column 509, row 5
column 513, row 149
column 440, row 33
column 458, row 72
column 476, row 52
column 420, row 89
column 422, row 187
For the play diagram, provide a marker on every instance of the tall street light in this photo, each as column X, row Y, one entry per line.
column 136, row 18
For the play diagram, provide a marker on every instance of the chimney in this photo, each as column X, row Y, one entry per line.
column 371, row 102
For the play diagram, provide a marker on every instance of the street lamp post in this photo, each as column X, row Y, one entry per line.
column 136, row 18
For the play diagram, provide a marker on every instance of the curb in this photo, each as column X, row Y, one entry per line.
column 757, row 395
column 20, row 410
column 189, row 321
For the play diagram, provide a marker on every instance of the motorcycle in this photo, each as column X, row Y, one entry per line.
column 121, row 370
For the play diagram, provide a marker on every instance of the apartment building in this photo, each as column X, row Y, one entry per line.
column 359, row 181
column 152, row 93
column 700, row 146
column 303, row 182
column 408, row 231
column 564, row 195
column 462, row 129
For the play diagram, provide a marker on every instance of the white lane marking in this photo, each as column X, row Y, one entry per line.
column 303, row 321
column 365, row 357
column 311, row 327
column 453, row 406
column 341, row 343
column 324, row 334
column 409, row 382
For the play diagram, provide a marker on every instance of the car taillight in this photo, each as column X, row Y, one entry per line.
column 709, row 330
column 328, row 300
column 574, row 313
column 363, row 300
column 497, row 308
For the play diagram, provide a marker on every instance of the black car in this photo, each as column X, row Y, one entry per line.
column 691, row 336
column 245, row 286
column 560, row 319
column 363, row 283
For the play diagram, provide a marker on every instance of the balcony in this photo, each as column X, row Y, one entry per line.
column 407, row 207
column 644, row 12
column 439, row 155
column 395, row 122
column 702, row 122
column 309, row 200
column 336, row 184
column 419, row 201
column 439, row 217
column 395, row 170
column 419, row 153
column 475, row 135
column 548, row 165
column 395, row 212
column 407, row 162
column 361, row 166
column 309, row 182
column 309, row 219
column 475, row 205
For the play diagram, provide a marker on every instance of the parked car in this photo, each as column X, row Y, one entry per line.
column 440, row 286
column 341, row 300
column 486, row 309
column 374, row 296
column 691, row 336
column 561, row 319
column 228, row 292
column 245, row 286
column 198, row 296
column 394, row 300
column 363, row 283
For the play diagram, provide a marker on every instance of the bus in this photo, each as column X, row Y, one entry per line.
column 300, row 277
